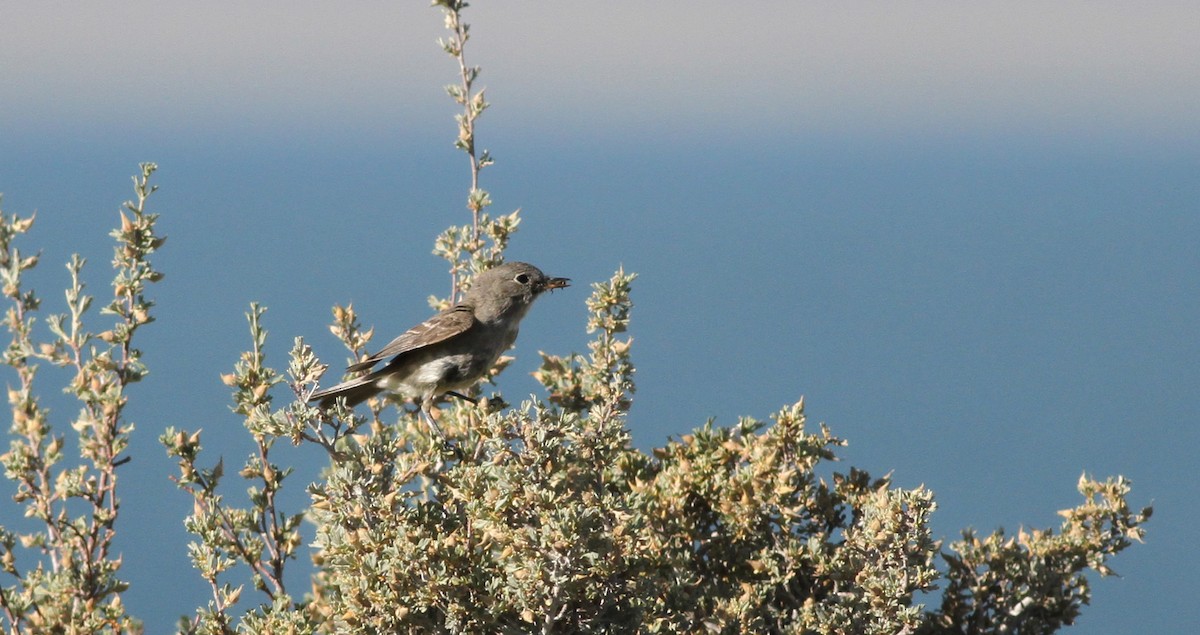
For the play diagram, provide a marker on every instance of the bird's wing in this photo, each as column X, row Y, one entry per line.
column 438, row 328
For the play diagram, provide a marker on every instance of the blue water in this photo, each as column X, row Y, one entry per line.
column 988, row 316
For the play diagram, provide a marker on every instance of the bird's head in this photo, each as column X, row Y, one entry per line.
column 510, row 287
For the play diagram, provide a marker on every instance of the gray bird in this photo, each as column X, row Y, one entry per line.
column 452, row 350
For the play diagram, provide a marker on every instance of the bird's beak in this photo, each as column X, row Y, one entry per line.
column 556, row 283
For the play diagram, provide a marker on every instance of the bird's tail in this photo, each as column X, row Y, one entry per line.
column 355, row 391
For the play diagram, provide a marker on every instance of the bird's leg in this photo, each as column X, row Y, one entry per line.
column 462, row 396
column 437, row 431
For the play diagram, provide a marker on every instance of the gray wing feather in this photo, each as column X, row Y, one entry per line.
column 438, row 328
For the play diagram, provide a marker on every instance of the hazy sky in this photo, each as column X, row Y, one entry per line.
column 966, row 232
column 899, row 67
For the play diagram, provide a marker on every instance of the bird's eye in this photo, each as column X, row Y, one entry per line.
column 523, row 278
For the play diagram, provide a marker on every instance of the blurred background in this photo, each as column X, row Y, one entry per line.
column 966, row 233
